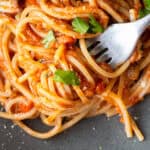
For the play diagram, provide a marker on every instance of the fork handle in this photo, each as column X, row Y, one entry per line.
column 142, row 24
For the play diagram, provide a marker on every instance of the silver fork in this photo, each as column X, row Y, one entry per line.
column 118, row 42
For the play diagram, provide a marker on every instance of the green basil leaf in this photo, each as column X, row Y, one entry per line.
column 67, row 77
column 50, row 37
column 147, row 4
column 143, row 12
column 79, row 25
column 95, row 26
column 146, row 10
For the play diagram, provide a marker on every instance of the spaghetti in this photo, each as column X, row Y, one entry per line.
column 47, row 72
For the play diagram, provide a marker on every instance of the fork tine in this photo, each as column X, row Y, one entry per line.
column 90, row 42
column 93, row 48
column 102, row 58
column 97, row 51
column 112, row 63
column 100, row 52
column 98, row 46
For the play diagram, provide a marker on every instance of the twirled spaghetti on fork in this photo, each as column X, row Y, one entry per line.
column 47, row 71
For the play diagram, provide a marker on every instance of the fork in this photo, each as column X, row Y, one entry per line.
column 118, row 42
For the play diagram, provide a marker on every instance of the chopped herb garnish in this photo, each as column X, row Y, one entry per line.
column 79, row 25
column 146, row 10
column 143, row 12
column 67, row 77
column 95, row 26
column 147, row 4
column 50, row 37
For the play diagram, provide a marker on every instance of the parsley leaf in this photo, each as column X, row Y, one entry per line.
column 67, row 77
column 79, row 25
column 50, row 37
column 143, row 12
column 147, row 4
column 95, row 26
column 146, row 10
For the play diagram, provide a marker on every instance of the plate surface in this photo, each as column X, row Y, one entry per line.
column 97, row 133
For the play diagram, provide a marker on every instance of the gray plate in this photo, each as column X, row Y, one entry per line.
column 97, row 133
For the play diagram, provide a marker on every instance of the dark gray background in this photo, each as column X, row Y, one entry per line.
column 97, row 133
